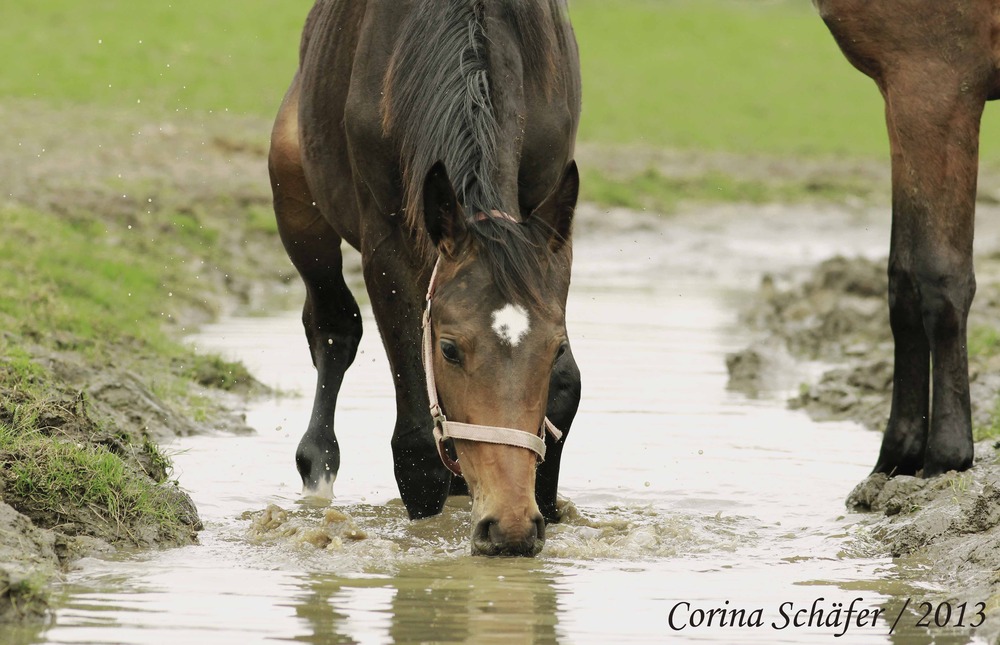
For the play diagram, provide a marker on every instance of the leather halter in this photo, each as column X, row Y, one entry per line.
column 445, row 429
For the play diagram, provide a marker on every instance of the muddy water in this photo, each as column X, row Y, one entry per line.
column 687, row 497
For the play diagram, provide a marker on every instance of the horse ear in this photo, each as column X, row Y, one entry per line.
column 557, row 209
column 443, row 215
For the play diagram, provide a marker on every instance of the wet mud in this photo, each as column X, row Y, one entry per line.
column 830, row 328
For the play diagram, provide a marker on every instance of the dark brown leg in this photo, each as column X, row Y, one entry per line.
column 397, row 301
column 330, row 316
column 934, row 64
column 564, row 399
column 934, row 131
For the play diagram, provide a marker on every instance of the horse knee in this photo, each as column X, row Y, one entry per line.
column 339, row 328
column 946, row 294
column 934, row 297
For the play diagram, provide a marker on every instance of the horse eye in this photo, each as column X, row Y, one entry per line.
column 450, row 352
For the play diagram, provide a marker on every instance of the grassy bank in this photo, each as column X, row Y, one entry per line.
column 113, row 244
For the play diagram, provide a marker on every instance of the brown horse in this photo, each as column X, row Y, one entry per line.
column 936, row 63
column 440, row 133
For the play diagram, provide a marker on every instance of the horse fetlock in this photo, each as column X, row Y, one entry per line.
column 949, row 448
column 903, row 446
column 422, row 479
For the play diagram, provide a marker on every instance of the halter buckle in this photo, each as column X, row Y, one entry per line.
column 438, row 415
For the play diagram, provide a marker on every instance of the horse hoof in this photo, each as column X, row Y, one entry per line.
column 318, row 474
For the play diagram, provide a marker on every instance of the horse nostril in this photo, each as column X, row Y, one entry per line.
column 486, row 531
column 489, row 538
column 539, row 527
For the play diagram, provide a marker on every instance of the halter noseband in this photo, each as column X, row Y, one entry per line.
column 443, row 428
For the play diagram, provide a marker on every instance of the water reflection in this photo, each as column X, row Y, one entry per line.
column 475, row 601
column 23, row 634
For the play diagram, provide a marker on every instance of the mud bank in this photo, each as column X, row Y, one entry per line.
column 176, row 216
column 829, row 331
column 81, row 475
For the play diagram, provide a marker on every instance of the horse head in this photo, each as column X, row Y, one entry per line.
column 498, row 296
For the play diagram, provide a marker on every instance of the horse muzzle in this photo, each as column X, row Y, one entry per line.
column 525, row 539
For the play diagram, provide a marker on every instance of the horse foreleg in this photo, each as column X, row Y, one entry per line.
column 564, row 399
column 905, row 437
column 933, row 122
column 330, row 316
column 397, row 302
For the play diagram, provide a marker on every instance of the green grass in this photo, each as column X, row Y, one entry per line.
column 162, row 56
column 57, row 464
column 69, row 275
column 70, row 284
column 58, row 478
column 722, row 75
column 692, row 74
column 983, row 342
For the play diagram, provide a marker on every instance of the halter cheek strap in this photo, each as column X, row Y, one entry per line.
column 444, row 429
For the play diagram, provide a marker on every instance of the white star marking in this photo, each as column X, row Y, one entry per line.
column 511, row 323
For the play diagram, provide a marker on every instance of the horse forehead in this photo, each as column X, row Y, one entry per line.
column 511, row 323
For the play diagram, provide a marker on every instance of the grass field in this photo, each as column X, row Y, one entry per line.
column 732, row 75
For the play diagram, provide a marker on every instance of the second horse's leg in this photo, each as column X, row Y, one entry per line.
column 933, row 120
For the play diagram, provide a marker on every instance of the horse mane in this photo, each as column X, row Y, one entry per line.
column 438, row 105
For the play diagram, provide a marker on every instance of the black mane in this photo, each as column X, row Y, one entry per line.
column 439, row 103
column 515, row 255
